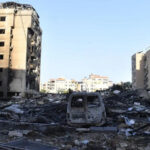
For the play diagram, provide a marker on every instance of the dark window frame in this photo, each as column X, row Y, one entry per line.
column 2, row 31
column 2, row 18
column 2, row 44
column 1, row 94
column 1, row 56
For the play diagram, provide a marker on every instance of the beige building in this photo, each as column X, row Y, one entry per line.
column 138, row 70
column 141, row 70
column 90, row 84
column 59, row 85
column 147, row 70
column 95, row 82
column 20, row 49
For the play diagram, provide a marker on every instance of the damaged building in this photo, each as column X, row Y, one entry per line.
column 141, row 70
column 20, row 49
column 138, row 70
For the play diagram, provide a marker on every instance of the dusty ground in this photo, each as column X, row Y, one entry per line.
column 43, row 119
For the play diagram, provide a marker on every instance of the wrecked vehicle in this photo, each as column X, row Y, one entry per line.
column 85, row 109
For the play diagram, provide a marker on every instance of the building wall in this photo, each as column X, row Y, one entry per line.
column 91, row 84
column 138, row 70
column 5, row 50
column 95, row 82
column 22, row 50
column 147, row 70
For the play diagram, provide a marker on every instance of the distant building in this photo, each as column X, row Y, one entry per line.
column 59, row 85
column 43, row 87
column 96, row 82
column 91, row 84
column 20, row 49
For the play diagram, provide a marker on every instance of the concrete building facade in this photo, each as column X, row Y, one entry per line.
column 20, row 49
column 59, row 85
column 96, row 82
column 90, row 84
column 146, row 60
column 138, row 70
column 141, row 70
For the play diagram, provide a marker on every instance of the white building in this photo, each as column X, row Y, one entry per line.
column 90, row 84
column 59, row 85
column 96, row 82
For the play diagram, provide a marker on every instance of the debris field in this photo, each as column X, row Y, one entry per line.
column 41, row 119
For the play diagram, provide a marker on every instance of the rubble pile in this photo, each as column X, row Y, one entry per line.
column 38, row 110
column 128, row 110
column 42, row 119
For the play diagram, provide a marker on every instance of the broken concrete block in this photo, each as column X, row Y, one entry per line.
column 116, row 92
column 82, row 129
column 77, row 142
column 15, row 134
column 85, row 142
column 123, row 144
column 15, row 108
column 128, row 121
column 103, row 129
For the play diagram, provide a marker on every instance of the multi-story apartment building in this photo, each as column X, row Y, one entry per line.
column 147, row 70
column 20, row 49
column 59, row 85
column 138, row 70
column 43, row 87
column 95, row 82
column 141, row 70
column 90, row 84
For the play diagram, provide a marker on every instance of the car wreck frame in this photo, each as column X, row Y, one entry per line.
column 85, row 109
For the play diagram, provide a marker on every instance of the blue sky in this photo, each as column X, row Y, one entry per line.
column 91, row 36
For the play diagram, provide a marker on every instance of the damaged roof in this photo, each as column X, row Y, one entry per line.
column 16, row 5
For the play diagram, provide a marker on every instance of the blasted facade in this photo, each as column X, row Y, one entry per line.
column 141, row 70
column 20, row 49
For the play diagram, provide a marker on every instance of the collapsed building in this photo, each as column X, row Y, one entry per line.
column 20, row 49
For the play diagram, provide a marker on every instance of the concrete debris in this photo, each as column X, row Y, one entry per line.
column 15, row 133
column 83, row 142
column 98, row 129
column 28, row 145
column 18, row 133
column 129, row 122
column 116, row 92
column 103, row 129
column 42, row 119
column 14, row 108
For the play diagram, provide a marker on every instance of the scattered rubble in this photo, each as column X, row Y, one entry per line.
column 42, row 119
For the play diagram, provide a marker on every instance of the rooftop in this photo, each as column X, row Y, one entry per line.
column 93, row 76
column 17, row 6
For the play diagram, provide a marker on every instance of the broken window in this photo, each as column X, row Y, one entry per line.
column 1, row 94
column 2, row 44
column 93, row 101
column 0, row 83
column 77, row 101
column 1, row 69
column 2, row 18
column 2, row 31
column 1, row 56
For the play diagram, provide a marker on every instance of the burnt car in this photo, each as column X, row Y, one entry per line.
column 85, row 109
